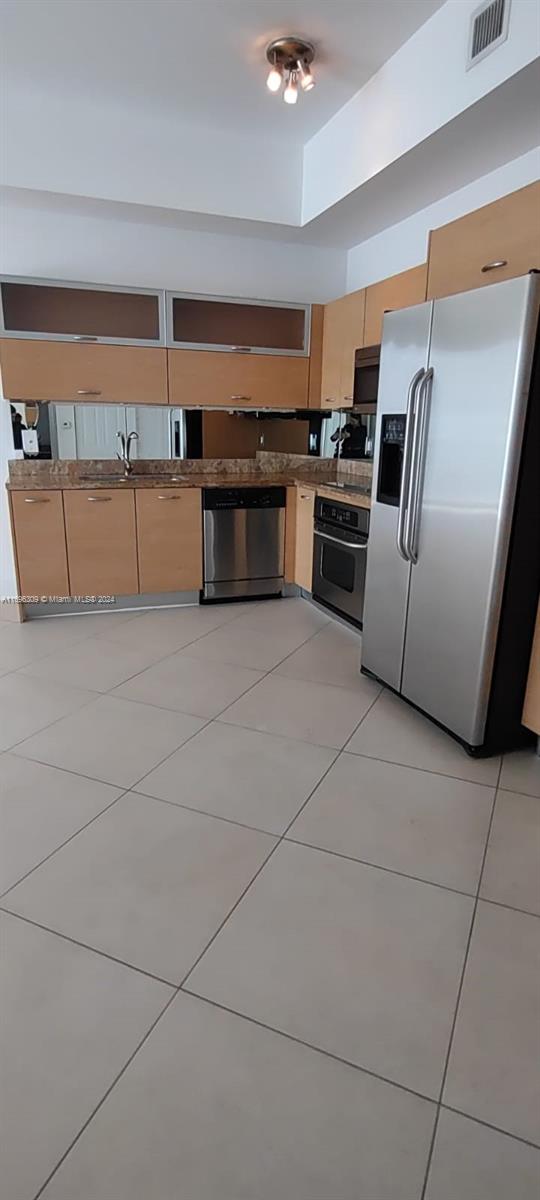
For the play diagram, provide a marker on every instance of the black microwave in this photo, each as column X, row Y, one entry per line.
column 366, row 379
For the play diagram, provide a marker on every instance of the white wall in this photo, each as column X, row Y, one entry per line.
column 62, row 245
column 405, row 245
column 421, row 88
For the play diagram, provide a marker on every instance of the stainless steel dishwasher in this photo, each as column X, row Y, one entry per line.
column 244, row 535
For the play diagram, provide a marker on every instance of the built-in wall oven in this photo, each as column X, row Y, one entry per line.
column 339, row 559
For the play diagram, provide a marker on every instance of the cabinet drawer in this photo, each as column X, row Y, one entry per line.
column 43, row 308
column 505, row 232
column 169, row 539
column 398, row 291
column 101, row 542
column 40, row 370
column 206, row 377
column 40, row 543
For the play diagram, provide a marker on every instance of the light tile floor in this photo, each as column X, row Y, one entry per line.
column 266, row 932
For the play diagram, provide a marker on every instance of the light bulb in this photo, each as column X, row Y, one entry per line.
column 307, row 82
column 290, row 94
column 274, row 79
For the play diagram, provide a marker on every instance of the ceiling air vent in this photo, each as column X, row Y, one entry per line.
column 489, row 27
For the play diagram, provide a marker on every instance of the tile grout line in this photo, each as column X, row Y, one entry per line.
column 496, row 1128
column 90, row 1118
column 64, row 843
column 460, row 992
column 65, row 937
column 292, row 1037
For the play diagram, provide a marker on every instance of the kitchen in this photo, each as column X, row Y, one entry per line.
column 269, row 620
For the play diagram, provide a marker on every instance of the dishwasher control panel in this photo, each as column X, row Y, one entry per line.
column 216, row 499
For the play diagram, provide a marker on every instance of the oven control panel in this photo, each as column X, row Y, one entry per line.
column 342, row 516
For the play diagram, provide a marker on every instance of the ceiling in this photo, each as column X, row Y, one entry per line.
column 202, row 61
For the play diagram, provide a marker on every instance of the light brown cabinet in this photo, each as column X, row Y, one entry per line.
column 40, row 544
column 343, row 335
column 41, row 370
column 208, row 377
column 223, row 323
column 531, row 708
column 80, row 312
column 499, row 241
column 169, row 539
column 101, row 542
column 398, row 291
column 299, row 536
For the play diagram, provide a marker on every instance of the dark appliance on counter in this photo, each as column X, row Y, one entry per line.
column 454, row 557
column 339, row 558
column 244, row 542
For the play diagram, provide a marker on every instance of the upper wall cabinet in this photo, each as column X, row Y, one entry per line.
column 200, row 378
column 343, row 335
column 398, row 291
column 80, row 312
column 496, row 242
column 248, row 326
column 36, row 370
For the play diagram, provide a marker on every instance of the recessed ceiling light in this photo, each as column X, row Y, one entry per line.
column 290, row 59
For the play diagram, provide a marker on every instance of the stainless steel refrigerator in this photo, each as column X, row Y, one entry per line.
column 453, row 566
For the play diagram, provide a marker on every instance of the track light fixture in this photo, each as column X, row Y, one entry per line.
column 290, row 61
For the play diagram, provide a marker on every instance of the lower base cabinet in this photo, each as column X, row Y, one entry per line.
column 169, row 538
column 40, row 543
column 299, row 536
column 101, row 542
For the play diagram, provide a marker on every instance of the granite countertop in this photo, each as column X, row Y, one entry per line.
column 68, row 476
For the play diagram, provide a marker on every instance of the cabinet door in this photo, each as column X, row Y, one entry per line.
column 353, row 314
column 227, row 324
column 36, row 370
column 299, row 536
column 531, row 709
column 343, row 334
column 101, row 542
column 40, row 543
column 80, row 312
column 499, row 241
column 205, row 377
column 169, row 537
column 331, row 355
column 398, row 291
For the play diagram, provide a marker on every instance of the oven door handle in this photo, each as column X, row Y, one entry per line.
column 341, row 541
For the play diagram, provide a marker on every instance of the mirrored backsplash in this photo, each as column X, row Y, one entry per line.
column 91, row 431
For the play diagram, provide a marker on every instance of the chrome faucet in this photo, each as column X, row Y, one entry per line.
column 124, row 453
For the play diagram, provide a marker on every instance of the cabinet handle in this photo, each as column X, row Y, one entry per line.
column 495, row 266
column 241, row 397
column 88, row 392
column 98, row 499
column 304, row 496
column 36, row 500
column 169, row 497
column 83, row 337
column 241, row 349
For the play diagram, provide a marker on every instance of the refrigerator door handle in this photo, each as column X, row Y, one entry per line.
column 406, row 469
column 417, row 467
